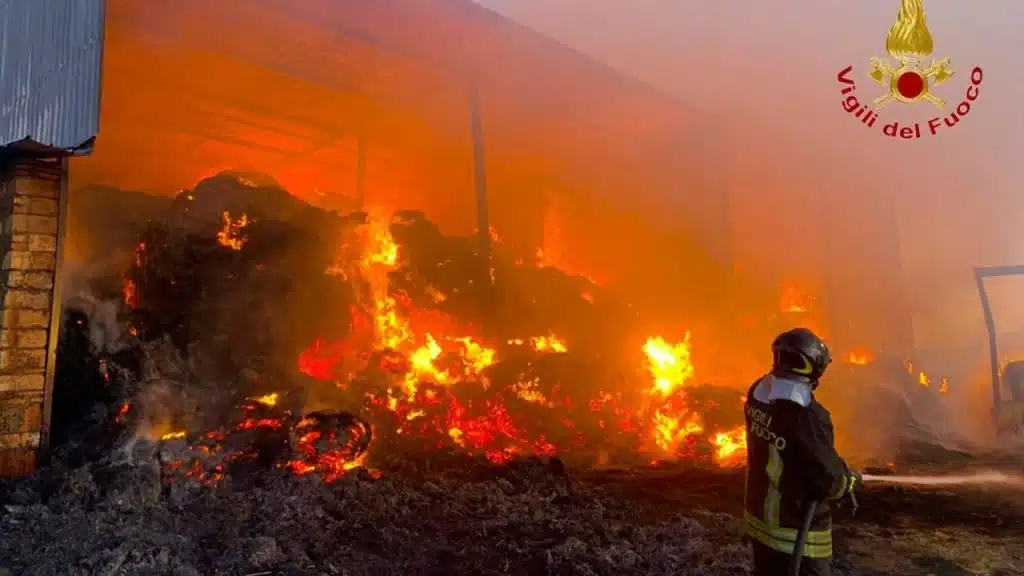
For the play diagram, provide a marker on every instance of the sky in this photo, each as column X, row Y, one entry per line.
column 774, row 64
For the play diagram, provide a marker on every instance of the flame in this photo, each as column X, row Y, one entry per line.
column 477, row 356
column 909, row 37
column 129, row 293
column 381, row 247
column 122, row 413
column 430, row 364
column 539, row 259
column 425, row 354
column 332, row 464
column 230, row 234
column 421, row 361
column 319, row 444
column 671, row 431
column 668, row 363
column 923, row 380
column 549, row 343
column 860, row 357
column 267, row 400
column 730, row 447
column 794, row 300
column 674, row 422
column 529, row 392
column 426, row 378
column 129, row 289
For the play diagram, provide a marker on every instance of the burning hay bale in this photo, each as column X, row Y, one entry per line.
column 399, row 392
column 397, row 352
column 396, row 325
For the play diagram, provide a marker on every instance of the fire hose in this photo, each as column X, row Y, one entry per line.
column 805, row 528
column 1009, row 480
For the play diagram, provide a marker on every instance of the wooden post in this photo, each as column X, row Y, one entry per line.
column 480, row 181
column 482, row 219
column 56, row 309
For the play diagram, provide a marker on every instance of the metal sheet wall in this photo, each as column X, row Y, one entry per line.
column 50, row 65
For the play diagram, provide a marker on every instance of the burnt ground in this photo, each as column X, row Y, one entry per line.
column 453, row 515
column 896, row 530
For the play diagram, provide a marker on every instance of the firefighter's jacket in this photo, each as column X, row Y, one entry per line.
column 791, row 462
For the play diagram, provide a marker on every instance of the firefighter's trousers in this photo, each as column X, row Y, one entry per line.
column 768, row 562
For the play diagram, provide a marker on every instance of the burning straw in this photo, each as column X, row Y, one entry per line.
column 414, row 365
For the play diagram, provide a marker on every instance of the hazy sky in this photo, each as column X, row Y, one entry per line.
column 775, row 63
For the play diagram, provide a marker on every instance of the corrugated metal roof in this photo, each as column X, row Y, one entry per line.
column 50, row 63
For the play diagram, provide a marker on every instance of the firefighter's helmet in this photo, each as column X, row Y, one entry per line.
column 800, row 353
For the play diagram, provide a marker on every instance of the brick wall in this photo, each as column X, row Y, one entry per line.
column 29, row 212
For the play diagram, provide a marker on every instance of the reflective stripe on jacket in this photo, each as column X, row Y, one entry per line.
column 791, row 462
column 818, row 544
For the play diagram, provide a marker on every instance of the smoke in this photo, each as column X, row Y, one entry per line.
column 774, row 179
column 1014, row 481
column 154, row 386
column 105, row 332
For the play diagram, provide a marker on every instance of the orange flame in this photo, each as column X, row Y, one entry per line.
column 731, row 447
column 230, row 234
column 860, row 357
column 794, row 300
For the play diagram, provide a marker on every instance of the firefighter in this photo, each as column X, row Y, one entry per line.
column 791, row 459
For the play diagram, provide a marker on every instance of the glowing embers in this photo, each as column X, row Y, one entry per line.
column 231, row 233
column 430, row 381
column 265, row 436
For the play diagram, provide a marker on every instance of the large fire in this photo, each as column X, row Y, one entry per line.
column 412, row 375
column 437, row 382
column 425, row 377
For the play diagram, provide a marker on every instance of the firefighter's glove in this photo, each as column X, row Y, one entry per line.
column 853, row 481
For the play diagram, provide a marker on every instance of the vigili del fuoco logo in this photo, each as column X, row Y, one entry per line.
column 908, row 80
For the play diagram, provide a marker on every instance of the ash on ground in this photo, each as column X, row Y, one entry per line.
column 528, row 517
